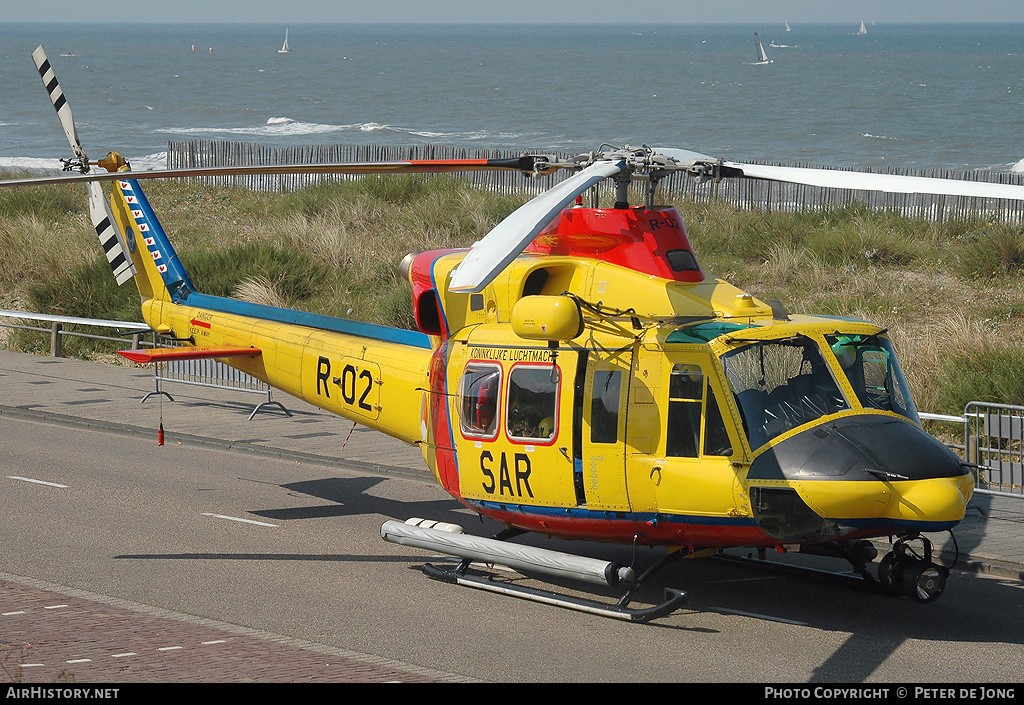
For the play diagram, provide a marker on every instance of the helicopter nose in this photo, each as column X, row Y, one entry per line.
column 926, row 501
column 859, row 472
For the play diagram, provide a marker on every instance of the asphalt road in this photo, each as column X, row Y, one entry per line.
column 163, row 527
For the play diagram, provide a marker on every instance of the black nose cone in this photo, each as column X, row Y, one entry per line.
column 862, row 447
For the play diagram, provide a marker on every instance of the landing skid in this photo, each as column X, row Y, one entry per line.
column 451, row 540
column 674, row 599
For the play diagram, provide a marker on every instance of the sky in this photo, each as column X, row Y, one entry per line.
column 512, row 11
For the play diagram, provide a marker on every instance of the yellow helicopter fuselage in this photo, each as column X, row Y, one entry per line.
column 603, row 387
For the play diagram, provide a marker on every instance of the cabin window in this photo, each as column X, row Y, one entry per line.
column 604, row 407
column 532, row 411
column 870, row 365
column 682, row 261
column 780, row 385
column 478, row 400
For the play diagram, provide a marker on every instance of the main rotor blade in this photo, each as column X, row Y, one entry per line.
column 60, row 103
column 411, row 166
column 888, row 183
column 855, row 180
column 504, row 243
column 685, row 157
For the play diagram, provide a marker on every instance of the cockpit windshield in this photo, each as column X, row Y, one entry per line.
column 781, row 384
column 870, row 364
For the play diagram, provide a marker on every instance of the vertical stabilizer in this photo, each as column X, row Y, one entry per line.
column 161, row 274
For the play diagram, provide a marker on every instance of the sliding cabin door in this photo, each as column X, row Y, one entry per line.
column 602, row 403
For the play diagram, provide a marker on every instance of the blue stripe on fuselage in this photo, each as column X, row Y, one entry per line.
column 879, row 525
column 611, row 515
column 310, row 320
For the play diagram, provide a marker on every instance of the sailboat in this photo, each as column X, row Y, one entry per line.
column 284, row 47
column 762, row 58
column 787, row 26
column 863, row 29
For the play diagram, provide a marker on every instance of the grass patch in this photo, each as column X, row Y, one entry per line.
column 987, row 374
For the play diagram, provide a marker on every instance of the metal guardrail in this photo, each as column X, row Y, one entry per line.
column 203, row 373
column 57, row 323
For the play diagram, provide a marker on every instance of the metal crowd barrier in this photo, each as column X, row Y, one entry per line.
column 994, row 439
column 211, row 373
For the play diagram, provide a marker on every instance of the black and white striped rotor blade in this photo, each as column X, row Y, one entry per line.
column 60, row 103
column 110, row 237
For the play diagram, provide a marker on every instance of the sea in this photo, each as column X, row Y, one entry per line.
column 920, row 96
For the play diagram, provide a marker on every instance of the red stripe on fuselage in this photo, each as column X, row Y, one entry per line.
column 440, row 423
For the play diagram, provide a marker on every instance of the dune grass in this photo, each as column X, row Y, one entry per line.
column 951, row 294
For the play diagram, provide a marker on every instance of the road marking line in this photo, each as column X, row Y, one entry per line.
column 245, row 521
column 32, row 665
column 79, row 660
column 216, row 641
column 8, row 614
column 54, row 607
column 38, row 482
column 761, row 616
column 127, row 653
column 170, row 648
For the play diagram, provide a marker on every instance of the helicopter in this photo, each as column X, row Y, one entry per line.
column 577, row 374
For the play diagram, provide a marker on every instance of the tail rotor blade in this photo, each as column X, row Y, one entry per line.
column 110, row 237
column 60, row 103
column 504, row 243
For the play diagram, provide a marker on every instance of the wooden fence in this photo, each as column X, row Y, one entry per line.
column 751, row 194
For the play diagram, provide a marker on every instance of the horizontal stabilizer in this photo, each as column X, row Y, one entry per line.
column 187, row 353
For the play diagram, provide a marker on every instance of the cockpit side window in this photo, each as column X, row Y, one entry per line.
column 780, row 385
column 687, row 407
column 870, row 365
column 685, row 399
column 478, row 400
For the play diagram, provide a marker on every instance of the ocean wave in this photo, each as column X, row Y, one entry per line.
column 148, row 162
column 288, row 127
column 1018, row 168
column 879, row 137
column 274, row 127
column 30, row 164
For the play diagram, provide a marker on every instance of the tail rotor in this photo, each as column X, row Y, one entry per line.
column 109, row 236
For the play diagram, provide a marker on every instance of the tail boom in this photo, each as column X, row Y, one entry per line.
column 372, row 374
